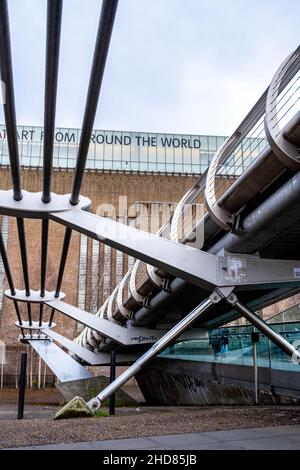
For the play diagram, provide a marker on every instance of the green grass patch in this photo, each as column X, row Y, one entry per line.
column 101, row 413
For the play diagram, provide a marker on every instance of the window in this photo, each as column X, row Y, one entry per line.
column 82, row 272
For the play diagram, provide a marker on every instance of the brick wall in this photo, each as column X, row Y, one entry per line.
column 101, row 188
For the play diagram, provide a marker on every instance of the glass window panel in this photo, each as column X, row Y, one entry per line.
column 169, row 151
column 117, row 145
column 108, row 147
column 117, row 165
column 204, row 142
column 135, row 151
column 161, row 167
column 187, row 168
column 126, row 149
column 212, row 143
column 144, row 143
column 178, row 155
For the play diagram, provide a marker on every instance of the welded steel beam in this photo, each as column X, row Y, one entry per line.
column 119, row 334
column 54, row 15
column 194, row 265
column 8, row 97
column 156, row 349
column 94, row 359
column 191, row 264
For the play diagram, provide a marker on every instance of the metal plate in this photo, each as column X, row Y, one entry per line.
column 190, row 264
column 62, row 365
column 86, row 355
column 31, row 205
column 34, row 296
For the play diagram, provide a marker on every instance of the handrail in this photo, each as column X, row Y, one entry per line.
column 284, row 150
column 260, row 128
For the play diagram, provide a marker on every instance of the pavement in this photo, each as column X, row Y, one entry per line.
column 269, row 438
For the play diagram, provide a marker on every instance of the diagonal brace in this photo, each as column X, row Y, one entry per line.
column 157, row 348
column 262, row 326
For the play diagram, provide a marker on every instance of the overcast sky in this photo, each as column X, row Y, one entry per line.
column 182, row 66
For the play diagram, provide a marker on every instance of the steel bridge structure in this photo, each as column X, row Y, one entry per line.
column 241, row 255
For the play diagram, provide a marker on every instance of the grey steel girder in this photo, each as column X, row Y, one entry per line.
column 157, row 348
column 119, row 334
column 195, row 315
column 195, row 266
column 64, row 366
column 94, row 359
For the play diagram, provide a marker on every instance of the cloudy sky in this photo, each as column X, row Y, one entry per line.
column 182, row 66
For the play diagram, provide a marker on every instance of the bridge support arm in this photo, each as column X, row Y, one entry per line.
column 262, row 326
column 157, row 348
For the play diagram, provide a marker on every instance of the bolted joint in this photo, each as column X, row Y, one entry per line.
column 94, row 404
column 223, row 293
column 232, row 299
column 215, row 297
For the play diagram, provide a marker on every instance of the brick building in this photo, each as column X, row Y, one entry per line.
column 124, row 172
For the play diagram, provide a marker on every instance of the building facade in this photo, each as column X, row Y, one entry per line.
column 125, row 171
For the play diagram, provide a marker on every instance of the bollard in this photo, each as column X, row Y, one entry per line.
column 255, row 340
column 22, row 385
column 112, row 399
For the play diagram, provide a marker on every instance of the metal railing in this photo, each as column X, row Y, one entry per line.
column 249, row 142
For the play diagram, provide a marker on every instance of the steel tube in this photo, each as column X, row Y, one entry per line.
column 44, row 244
column 106, row 22
column 9, row 277
column 255, row 373
column 24, row 260
column 22, row 385
column 262, row 326
column 54, row 15
column 271, row 218
column 23, row 251
column 6, row 265
column 64, row 254
column 157, row 348
column 63, row 259
column 9, row 100
column 264, row 223
column 45, row 231
column 112, row 378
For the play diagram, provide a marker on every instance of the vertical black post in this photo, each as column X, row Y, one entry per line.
column 255, row 340
column 112, row 398
column 22, row 385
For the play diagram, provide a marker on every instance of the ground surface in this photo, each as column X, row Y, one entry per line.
column 38, row 426
column 269, row 438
